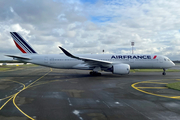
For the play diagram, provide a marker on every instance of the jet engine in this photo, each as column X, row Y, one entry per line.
column 121, row 69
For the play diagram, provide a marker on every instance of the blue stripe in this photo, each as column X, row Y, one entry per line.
column 24, row 42
column 20, row 43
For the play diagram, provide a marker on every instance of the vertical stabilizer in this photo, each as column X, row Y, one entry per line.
column 21, row 43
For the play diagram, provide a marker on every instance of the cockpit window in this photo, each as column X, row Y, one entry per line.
column 167, row 59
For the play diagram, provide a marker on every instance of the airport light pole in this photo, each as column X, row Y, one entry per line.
column 132, row 44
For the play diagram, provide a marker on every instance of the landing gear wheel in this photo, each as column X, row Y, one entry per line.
column 95, row 73
column 91, row 73
column 99, row 74
column 164, row 72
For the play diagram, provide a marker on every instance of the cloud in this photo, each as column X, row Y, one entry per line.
column 91, row 26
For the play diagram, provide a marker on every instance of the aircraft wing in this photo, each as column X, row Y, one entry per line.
column 89, row 61
column 19, row 57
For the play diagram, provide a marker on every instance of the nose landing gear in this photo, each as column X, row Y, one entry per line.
column 164, row 72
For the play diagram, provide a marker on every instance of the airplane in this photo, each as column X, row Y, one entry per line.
column 115, row 63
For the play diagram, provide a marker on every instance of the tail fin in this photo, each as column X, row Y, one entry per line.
column 21, row 44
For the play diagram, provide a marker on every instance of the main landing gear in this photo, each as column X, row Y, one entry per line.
column 93, row 73
column 164, row 72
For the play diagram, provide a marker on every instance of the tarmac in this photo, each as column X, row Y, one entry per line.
column 42, row 93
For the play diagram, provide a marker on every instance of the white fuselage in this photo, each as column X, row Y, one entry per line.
column 62, row 61
column 117, row 64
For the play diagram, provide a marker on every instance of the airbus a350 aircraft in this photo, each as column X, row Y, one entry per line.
column 115, row 63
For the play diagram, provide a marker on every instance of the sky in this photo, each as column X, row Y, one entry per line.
column 90, row 26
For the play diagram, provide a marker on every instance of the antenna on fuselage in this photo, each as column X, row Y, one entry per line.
column 132, row 44
column 103, row 51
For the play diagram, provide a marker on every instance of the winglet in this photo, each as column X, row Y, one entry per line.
column 68, row 53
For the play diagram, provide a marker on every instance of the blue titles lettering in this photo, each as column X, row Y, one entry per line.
column 131, row 57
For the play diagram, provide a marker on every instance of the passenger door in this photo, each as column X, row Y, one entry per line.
column 46, row 60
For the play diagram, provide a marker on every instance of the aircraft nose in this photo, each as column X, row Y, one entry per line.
column 172, row 63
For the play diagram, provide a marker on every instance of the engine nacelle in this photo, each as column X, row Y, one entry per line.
column 121, row 69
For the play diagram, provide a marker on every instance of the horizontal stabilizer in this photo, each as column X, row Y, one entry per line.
column 19, row 57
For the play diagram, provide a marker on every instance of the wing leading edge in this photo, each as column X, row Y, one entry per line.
column 91, row 62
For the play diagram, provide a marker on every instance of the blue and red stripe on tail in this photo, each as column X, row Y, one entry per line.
column 21, row 44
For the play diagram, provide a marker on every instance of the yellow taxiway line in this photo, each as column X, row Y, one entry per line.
column 152, row 87
column 15, row 95
column 11, row 96
column 24, row 89
column 140, row 88
column 153, row 82
column 6, row 102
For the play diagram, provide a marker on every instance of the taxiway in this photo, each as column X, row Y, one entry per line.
column 53, row 94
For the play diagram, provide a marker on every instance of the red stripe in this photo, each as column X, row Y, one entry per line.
column 19, row 47
column 155, row 57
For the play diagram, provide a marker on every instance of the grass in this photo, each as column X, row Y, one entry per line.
column 175, row 86
column 4, row 69
column 14, row 67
